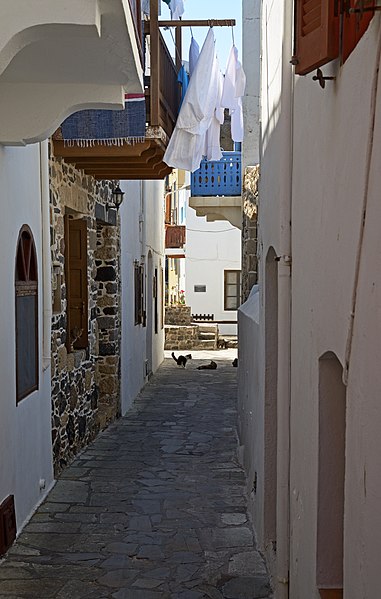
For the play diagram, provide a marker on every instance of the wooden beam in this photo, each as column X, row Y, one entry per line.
column 154, row 64
column 102, row 150
column 205, row 23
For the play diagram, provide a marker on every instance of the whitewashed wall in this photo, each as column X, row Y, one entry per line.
column 334, row 175
column 211, row 248
column 25, row 429
column 142, row 217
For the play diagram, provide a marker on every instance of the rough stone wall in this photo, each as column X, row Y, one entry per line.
column 178, row 315
column 249, row 230
column 85, row 383
column 181, row 337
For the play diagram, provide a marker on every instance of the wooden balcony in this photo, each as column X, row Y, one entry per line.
column 139, row 158
column 175, row 236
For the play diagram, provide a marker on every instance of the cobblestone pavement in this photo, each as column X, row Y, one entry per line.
column 154, row 509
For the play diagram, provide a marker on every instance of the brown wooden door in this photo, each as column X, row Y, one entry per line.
column 76, row 283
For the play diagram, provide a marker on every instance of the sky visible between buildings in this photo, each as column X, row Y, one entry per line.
column 209, row 9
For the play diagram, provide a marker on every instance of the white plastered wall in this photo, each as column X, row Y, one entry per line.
column 329, row 179
column 142, row 225
column 25, row 429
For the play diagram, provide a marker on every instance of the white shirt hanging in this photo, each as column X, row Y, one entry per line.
column 212, row 148
column 187, row 144
column 177, row 9
column 194, row 53
column 233, row 90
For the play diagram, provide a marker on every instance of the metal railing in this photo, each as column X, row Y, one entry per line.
column 218, row 178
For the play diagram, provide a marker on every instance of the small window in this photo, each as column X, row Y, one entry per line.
column 26, row 315
column 232, row 289
column 139, row 293
column 199, row 288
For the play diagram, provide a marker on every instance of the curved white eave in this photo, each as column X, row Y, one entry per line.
column 30, row 113
column 23, row 21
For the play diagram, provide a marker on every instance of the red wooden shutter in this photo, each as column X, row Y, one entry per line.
column 316, row 34
column 355, row 25
column 76, row 283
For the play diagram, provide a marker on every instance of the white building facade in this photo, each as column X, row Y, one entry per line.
column 213, row 269
column 142, row 264
column 55, row 58
column 309, row 375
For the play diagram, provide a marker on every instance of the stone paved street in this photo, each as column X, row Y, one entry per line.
column 154, row 509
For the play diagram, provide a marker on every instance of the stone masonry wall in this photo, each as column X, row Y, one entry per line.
column 178, row 315
column 85, row 383
column 249, row 230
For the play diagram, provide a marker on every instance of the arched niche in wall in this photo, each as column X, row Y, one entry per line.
column 331, row 478
column 271, row 397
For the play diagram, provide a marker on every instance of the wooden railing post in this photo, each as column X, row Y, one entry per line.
column 155, row 63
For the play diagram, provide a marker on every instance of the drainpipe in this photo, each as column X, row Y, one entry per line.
column 284, row 318
column 46, row 258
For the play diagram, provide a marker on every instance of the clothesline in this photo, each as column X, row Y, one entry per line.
column 198, row 127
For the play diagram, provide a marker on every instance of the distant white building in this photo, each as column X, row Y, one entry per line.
column 213, row 269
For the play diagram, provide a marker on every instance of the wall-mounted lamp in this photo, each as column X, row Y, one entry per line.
column 117, row 198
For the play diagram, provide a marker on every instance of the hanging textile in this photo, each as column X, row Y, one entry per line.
column 212, row 149
column 177, row 9
column 233, row 90
column 187, row 144
column 111, row 127
column 194, row 52
column 183, row 79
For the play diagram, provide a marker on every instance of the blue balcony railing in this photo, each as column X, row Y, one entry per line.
column 218, row 178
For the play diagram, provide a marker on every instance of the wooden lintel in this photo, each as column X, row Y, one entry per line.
column 102, row 150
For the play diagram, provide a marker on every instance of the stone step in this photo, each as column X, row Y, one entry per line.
column 206, row 336
column 207, row 328
column 207, row 344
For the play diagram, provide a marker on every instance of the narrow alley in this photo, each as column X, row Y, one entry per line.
column 154, row 509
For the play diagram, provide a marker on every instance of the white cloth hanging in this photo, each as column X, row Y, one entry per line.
column 233, row 90
column 194, row 53
column 212, row 149
column 177, row 9
column 187, row 144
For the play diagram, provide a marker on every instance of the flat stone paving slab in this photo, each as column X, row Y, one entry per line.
column 155, row 508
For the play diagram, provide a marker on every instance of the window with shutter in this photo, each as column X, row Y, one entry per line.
column 76, row 283
column 26, row 315
column 139, row 293
column 316, row 34
column 232, row 289
column 355, row 24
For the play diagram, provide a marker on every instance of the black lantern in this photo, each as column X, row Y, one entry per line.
column 117, row 196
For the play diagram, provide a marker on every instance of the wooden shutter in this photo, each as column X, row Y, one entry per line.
column 168, row 205
column 76, row 283
column 355, row 25
column 316, row 34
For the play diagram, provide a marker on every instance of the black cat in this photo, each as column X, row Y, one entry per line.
column 181, row 360
column 211, row 366
column 235, row 363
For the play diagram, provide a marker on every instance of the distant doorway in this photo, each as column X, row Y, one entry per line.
column 149, row 284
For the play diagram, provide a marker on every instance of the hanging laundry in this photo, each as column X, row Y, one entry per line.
column 212, row 149
column 233, row 90
column 177, row 9
column 146, row 6
column 183, row 79
column 187, row 144
column 194, row 52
